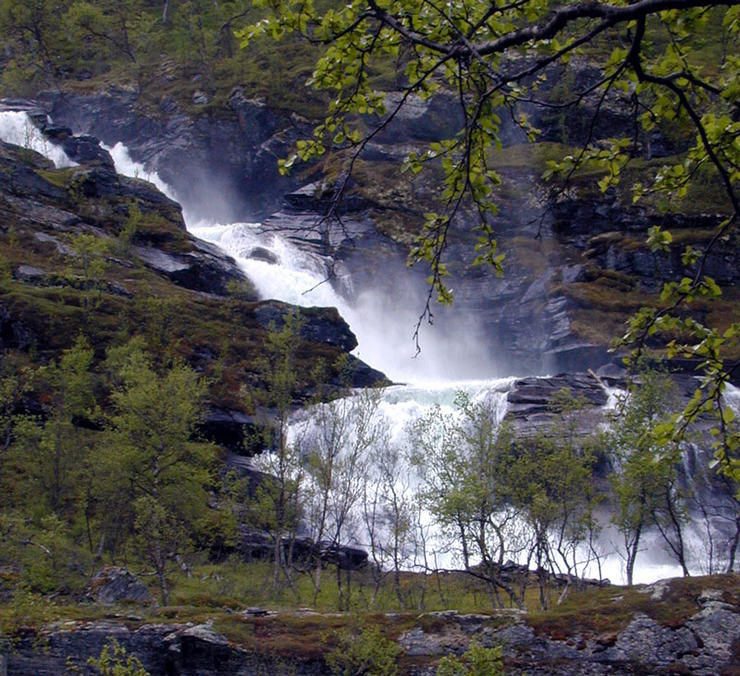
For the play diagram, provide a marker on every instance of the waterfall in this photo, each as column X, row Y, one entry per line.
column 280, row 270
column 731, row 396
column 128, row 167
column 17, row 127
column 383, row 326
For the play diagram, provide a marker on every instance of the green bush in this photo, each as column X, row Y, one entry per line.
column 26, row 610
column 115, row 661
column 477, row 661
column 368, row 653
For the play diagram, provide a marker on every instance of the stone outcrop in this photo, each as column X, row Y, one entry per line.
column 202, row 268
column 255, row 544
column 702, row 643
column 113, row 584
column 195, row 650
column 93, row 198
column 533, row 395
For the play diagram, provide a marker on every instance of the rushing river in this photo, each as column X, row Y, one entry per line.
column 384, row 329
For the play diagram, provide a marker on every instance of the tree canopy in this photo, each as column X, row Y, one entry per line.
column 669, row 62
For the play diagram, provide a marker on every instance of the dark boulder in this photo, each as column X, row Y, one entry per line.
column 317, row 325
column 257, row 544
column 232, row 429
column 532, row 403
column 359, row 374
column 537, row 393
column 20, row 175
column 259, row 253
column 83, row 149
column 117, row 585
column 202, row 268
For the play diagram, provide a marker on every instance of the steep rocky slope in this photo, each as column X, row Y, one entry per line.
column 85, row 250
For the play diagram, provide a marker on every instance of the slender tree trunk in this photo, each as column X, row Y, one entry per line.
column 397, row 583
column 276, row 554
column 88, row 527
column 317, row 578
column 541, row 573
column 340, row 591
column 163, row 586
column 319, row 535
column 676, row 544
column 632, row 548
column 288, row 564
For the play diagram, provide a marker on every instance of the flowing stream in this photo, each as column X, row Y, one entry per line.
column 384, row 330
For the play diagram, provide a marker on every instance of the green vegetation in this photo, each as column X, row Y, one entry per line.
column 367, row 652
column 500, row 497
column 72, row 494
column 150, row 453
column 186, row 52
column 277, row 502
column 645, row 479
column 115, row 661
column 477, row 661
column 111, row 470
column 101, row 461
column 101, row 407
column 105, row 381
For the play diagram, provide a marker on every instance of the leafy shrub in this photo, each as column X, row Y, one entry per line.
column 477, row 661
column 115, row 661
column 368, row 653
column 26, row 610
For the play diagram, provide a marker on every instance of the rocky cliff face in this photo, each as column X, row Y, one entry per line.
column 575, row 270
column 577, row 264
column 222, row 163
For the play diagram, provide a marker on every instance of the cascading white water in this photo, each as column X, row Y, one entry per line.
column 731, row 396
column 280, row 270
column 17, row 128
column 384, row 327
column 128, row 167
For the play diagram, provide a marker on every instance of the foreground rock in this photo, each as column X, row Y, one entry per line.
column 689, row 625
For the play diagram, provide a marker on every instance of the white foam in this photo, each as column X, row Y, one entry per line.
column 16, row 127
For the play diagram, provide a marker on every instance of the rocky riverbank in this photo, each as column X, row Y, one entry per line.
column 689, row 625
